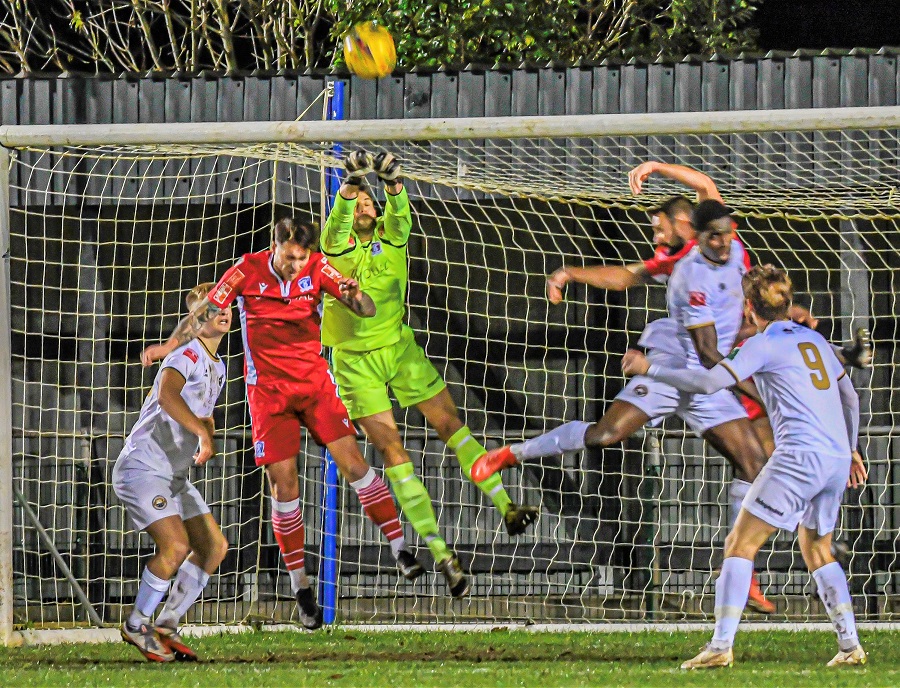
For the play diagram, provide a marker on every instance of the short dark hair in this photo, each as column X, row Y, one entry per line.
column 673, row 206
column 769, row 291
column 708, row 211
column 291, row 229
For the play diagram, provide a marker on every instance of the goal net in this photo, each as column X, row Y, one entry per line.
column 108, row 227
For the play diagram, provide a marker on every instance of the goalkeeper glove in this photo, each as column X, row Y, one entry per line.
column 387, row 167
column 358, row 164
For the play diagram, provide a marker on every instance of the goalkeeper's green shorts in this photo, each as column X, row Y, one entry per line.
column 363, row 379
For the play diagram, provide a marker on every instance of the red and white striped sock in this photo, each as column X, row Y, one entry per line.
column 379, row 506
column 287, row 524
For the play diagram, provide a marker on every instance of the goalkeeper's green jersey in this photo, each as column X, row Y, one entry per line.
column 380, row 267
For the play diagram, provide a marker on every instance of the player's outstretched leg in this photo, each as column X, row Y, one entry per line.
column 620, row 421
column 831, row 584
column 376, row 501
column 415, row 503
column 442, row 414
column 289, row 531
column 208, row 549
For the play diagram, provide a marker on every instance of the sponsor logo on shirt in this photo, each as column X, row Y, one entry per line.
column 259, row 449
column 262, row 287
column 236, row 277
column 191, row 354
column 329, row 271
column 696, row 298
column 345, row 422
column 377, row 248
column 159, row 502
column 221, row 294
column 305, row 283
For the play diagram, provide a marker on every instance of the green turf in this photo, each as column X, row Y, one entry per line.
column 500, row 658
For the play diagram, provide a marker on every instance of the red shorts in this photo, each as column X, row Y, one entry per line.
column 278, row 409
column 753, row 409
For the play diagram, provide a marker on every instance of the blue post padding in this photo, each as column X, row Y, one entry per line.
column 328, row 560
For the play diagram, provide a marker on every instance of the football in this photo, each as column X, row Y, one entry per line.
column 369, row 51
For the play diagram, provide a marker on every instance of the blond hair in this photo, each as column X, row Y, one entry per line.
column 769, row 291
column 197, row 294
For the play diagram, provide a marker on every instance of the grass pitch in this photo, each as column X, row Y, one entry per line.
column 345, row 657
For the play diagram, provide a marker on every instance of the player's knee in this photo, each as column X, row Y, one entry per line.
column 173, row 553
column 218, row 551
column 602, row 435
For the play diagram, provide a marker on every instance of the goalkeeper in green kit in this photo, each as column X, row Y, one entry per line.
column 371, row 354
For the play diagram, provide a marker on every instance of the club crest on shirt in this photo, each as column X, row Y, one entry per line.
column 259, row 449
column 641, row 390
column 305, row 283
column 377, row 248
column 159, row 502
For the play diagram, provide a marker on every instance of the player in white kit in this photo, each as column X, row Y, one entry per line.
column 151, row 479
column 705, row 307
column 815, row 415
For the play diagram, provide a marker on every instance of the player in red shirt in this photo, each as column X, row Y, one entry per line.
column 289, row 384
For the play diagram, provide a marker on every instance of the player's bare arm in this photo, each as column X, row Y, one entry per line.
column 186, row 330
column 610, row 277
column 704, row 186
column 356, row 300
column 171, row 401
column 706, row 344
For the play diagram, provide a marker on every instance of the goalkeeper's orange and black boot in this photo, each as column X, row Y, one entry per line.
column 492, row 462
column 518, row 517
column 147, row 641
column 172, row 640
column 756, row 600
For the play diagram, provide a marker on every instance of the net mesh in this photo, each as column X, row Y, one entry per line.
column 105, row 241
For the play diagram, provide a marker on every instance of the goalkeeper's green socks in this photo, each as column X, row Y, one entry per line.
column 468, row 451
column 416, row 506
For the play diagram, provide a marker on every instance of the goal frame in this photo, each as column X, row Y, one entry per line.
column 223, row 133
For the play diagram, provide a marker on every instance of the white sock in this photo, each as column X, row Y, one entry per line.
column 736, row 493
column 732, row 589
column 565, row 438
column 189, row 583
column 835, row 595
column 150, row 593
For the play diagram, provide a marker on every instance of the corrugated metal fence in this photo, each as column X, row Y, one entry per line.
column 772, row 81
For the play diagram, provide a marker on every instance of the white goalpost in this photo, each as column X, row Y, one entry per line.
column 104, row 227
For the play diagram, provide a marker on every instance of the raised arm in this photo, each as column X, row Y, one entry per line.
column 611, row 277
column 187, row 329
column 704, row 186
column 170, row 400
column 335, row 237
column 356, row 300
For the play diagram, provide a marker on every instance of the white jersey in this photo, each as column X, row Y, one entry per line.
column 796, row 372
column 662, row 335
column 162, row 440
column 703, row 293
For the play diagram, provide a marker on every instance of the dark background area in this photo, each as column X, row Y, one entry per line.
column 795, row 24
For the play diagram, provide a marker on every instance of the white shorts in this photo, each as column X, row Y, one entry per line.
column 700, row 411
column 149, row 496
column 799, row 487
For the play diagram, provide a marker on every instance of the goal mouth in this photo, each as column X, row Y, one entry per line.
column 109, row 225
